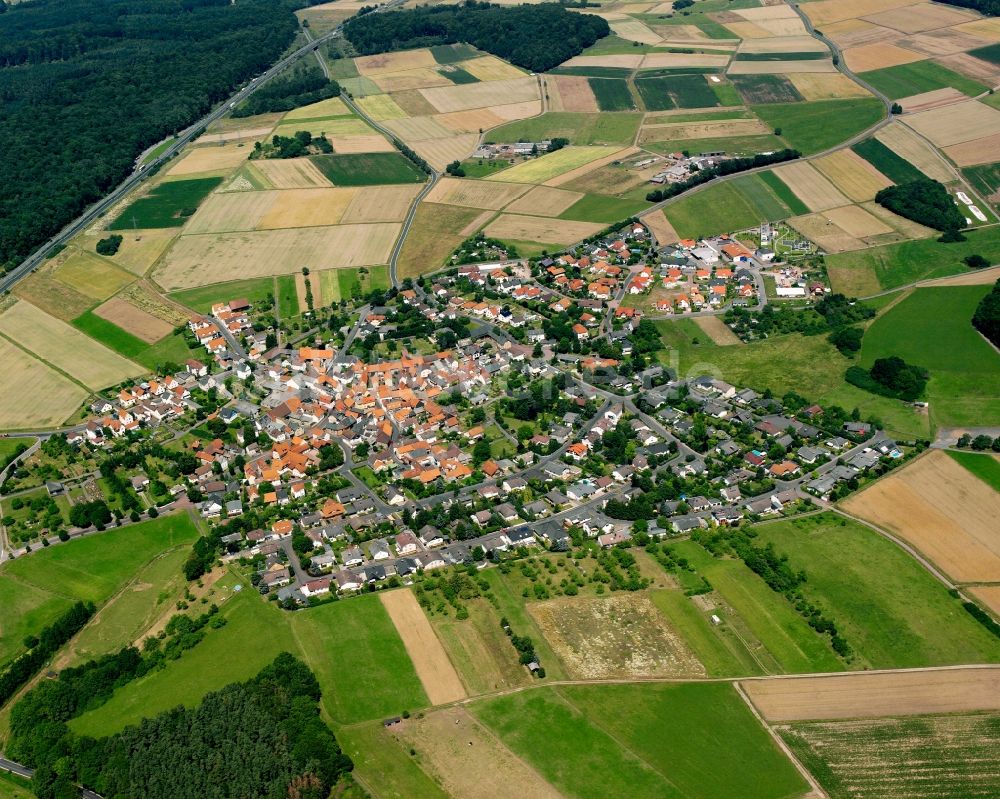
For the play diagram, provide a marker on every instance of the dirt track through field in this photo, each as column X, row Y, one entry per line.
column 871, row 695
column 437, row 675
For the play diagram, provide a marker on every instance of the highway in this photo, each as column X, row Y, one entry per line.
column 92, row 213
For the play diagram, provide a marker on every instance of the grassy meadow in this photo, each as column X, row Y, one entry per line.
column 819, row 125
column 983, row 465
column 167, row 205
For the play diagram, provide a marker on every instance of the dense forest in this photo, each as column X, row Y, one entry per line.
column 990, row 8
column 924, row 201
column 537, row 37
column 300, row 85
column 261, row 738
column 86, row 85
column 986, row 319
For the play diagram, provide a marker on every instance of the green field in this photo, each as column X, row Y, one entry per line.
column 39, row 586
column 735, row 145
column 359, row 659
column 168, row 205
column 875, row 269
column 932, row 328
column 453, row 53
column 458, row 75
column 821, row 124
column 368, row 169
column 811, row 55
column 643, row 741
column 923, row 757
column 906, row 80
column 892, row 612
column 760, row 89
column 110, row 335
column 990, row 52
column 599, row 208
column 809, row 365
column 14, row 787
column 612, row 94
column 594, row 72
column 341, row 284
column 379, row 759
column 983, row 465
column 986, row 180
column 8, row 446
column 783, row 193
column 893, row 166
column 169, row 349
column 577, row 127
column 739, row 203
column 288, row 297
column 726, row 93
column 202, row 299
column 676, row 91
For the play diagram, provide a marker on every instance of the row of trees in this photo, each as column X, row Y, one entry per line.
column 986, row 319
column 537, row 37
column 86, row 85
column 728, row 167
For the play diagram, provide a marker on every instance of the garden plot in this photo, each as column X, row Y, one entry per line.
column 482, row 95
column 518, row 227
column 133, row 320
column 852, row 174
column 215, row 258
column 380, row 204
column 825, row 86
column 963, row 122
column 475, row 194
column 213, row 158
column 65, row 347
column 619, row 636
column 907, row 145
column 33, row 395
column 289, row 173
column 904, row 693
column 544, row 201
column 878, row 56
column 811, row 186
column 943, row 510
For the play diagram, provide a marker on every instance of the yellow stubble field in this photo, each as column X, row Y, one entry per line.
column 852, row 174
column 32, row 394
column 483, row 194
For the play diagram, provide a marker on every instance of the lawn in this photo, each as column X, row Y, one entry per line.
column 255, row 633
column 600, row 208
column 368, row 169
column 359, row 660
column 893, row 166
column 110, row 335
column 894, row 265
column 203, row 298
column 793, row 644
column 819, row 125
column 736, row 204
column 932, row 328
column 906, row 80
column 809, row 365
column 26, row 610
column 579, row 128
column 379, row 759
column 288, row 297
column 612, row 94
column 167, row 205
column 172, row 349
column 892, row 612
column 697, row 741
column 983, row 465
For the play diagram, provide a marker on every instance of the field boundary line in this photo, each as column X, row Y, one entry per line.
column 52, row 366
column 817, row 790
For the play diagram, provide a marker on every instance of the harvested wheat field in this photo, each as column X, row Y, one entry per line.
column 660, row 227
column 925, row 101
column 441, row 152
column 944, row 511
column 370, row 65
column 818, row 65
column 212, row 158
column 585, row 169
column 414, row 129
column 140, row 249
column 145, row 299
column 575, row 93
column 821, row 231
column 878, row 56
column 633, row 30
column 370, row 143
column 617, row 61
column 538, row 228
column 482, row 95
column 490, row 68
column 306, row 208
column 550, row 165
column 215, row 258
column 944, row 42
column 811, row 186
column 979, row 277
column 988, row 28
column 92, row 275
column 826, row 11
column 623, row 635
column 544, row 201
column 331, row 107
column 33, row 395
column 701, row 60
column 745, row 30
column 290, row 173
column 717, row 330
column 977, row 151
column 471, row 121
column 856, row 33
column 437, row 675
column 825, row 86
column 462, row 755
column 55, row 298
column 988, row 595
column 852, row 174
column 957, row 123
column 906, row 144
column 380, row 107
column 65, row 347
column 247, row 134
column 908, row 229
column 724, row 128
column 509, row 112
column 436, row 231
column 137, row 322
column 783, row 44
column 380, row 204
column 906, row 693
column 408, row 81
column 780, row 27
column 921, row 17
column 487, row 195
column 475, row 224
column 222, row 213
column 972, row 67
column 856, row 221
